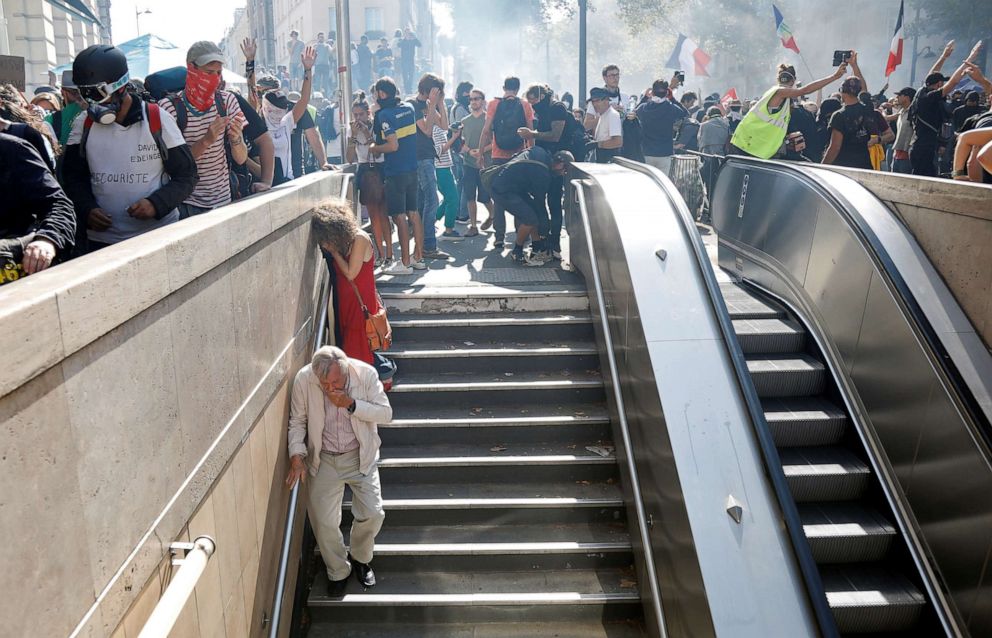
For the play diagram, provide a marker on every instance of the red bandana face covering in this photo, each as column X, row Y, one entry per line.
column 200, row 87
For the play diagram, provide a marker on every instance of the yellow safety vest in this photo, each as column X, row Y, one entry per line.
column 761, row 133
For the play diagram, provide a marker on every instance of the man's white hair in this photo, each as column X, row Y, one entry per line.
column 327, row 358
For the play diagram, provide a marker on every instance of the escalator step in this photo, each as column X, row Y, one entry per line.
column 824, row 474
column 870, row 599
column 845, row 532
column 769, row 335
column 804, row 421
column 742, row 304
column 786, row 375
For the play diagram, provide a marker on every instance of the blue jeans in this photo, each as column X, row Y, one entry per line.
column 903, row 166
column 458, row 170
column 427, row 201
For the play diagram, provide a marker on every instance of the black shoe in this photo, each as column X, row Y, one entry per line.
column 335, row 588
column 498, row 244
column 363, row 571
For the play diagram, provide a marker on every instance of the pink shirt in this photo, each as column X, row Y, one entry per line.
column 338, row 437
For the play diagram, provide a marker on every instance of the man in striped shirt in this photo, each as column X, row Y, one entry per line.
column 210, row 131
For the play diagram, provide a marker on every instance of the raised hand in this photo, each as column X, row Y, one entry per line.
column 309, row 57
column 948, row 50
column 249, row 48
column 974, row 52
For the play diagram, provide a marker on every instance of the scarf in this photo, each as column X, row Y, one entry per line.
column 200, row 88
column 273, row 114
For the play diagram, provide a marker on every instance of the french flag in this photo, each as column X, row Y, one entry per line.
column 689, row 57
column 784, row 33
column 895, row 50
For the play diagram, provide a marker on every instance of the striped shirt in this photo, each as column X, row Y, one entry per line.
column 214, row 187
column 443, row 159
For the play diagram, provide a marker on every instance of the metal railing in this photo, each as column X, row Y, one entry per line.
column 171, row 604
column 642, row 519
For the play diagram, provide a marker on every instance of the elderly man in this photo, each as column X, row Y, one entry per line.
column 336, row 406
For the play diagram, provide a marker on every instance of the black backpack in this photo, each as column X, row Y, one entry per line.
column 509, row 117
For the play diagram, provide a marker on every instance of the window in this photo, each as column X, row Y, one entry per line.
column 373, row 19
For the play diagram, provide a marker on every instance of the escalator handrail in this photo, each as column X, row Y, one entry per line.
column 294, row 496
column 938, row 354
column 766, row 444
column 642, row 520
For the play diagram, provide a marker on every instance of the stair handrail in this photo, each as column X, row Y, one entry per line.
column 294, row 495
column 173, row 600
column 642, row 519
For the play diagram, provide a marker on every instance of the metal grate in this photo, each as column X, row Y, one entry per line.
column 515, row 275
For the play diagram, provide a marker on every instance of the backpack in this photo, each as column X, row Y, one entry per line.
column 508, row 118
column 488, row 175
column 915, row 120
column 327, row 124
column 154, row 113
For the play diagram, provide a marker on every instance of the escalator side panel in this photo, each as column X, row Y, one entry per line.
column 928, row 448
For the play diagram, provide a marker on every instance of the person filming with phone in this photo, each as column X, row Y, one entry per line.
column 762, row 131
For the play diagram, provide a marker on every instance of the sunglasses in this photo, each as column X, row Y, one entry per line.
column 476, row 99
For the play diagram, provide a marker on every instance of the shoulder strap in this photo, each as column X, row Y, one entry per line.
column 180, row 108
column 155, row 126
column 87, row 125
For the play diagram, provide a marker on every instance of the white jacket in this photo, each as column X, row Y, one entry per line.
column 306, row 415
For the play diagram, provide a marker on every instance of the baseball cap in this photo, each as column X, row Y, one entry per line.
column 278, row 99
column 267, row 82
column 598, row 93
column 908, row 91
column 67, row 82
column 714, row 111
column 972, row 96
column 204, row 52
column 45, row 89
column 933, row 78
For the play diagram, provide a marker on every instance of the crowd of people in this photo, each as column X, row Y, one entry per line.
column 127, row 156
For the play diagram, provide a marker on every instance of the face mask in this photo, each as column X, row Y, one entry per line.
column 273, row 114
column 105, row 113
column 200, row 87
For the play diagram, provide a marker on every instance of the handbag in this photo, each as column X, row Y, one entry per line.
column 377, row 329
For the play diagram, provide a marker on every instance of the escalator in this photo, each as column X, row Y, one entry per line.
column 869, row 580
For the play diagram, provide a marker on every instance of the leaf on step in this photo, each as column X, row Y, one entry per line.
column 579, row 413
column 571, row 447
column 525, row 412
column 507, row 374
column 583, row 483
column 627, row 583
column 468, row 343
column 498, row 448
column 611, row 481
column 476, row 410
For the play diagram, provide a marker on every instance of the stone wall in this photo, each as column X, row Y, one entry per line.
column 952, row 221
column 143, row 398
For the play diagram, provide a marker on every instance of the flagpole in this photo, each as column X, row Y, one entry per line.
column 801, row 57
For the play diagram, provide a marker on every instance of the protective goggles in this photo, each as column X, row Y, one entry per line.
column 100, row 93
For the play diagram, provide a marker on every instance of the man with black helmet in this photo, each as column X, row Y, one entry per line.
column 127, row 166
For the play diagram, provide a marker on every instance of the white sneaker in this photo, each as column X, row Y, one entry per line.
column 397, row 268
column 418, row 265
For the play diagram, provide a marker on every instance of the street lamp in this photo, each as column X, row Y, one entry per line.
column 138, row 14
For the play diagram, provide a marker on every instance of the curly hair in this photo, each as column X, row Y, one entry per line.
column 14, row 109
column 334, row 225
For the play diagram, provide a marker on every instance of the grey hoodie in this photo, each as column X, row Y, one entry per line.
column 714, row 135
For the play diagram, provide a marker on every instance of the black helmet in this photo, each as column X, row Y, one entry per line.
column 99, row 64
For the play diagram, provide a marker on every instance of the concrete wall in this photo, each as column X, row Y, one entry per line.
column 952, row 221
column 143, row 399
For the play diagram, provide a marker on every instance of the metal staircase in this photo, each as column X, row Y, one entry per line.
column 504, row 513
column 867, row 574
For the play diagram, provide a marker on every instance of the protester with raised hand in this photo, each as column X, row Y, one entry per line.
column 281, row 117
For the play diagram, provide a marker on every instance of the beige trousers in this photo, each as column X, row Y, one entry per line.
column 325, row 497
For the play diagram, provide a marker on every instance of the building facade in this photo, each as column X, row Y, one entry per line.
column 235, row 35
column 47, row 36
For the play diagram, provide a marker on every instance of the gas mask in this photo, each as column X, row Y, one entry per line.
column 103, row 100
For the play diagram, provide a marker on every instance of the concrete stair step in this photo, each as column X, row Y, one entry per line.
column 520, row 463
column 460, row 596
column 478, row 389
column 817, row 474
column 489, row 503
column 494, row 425
column 869, row 598
column 536, row 326
column 804, row 421
column 399, row 298
column 846, row 532
column 786, row 375
column 496, row 356
column 769, row 336
column 743, row 304
column 563, row 629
